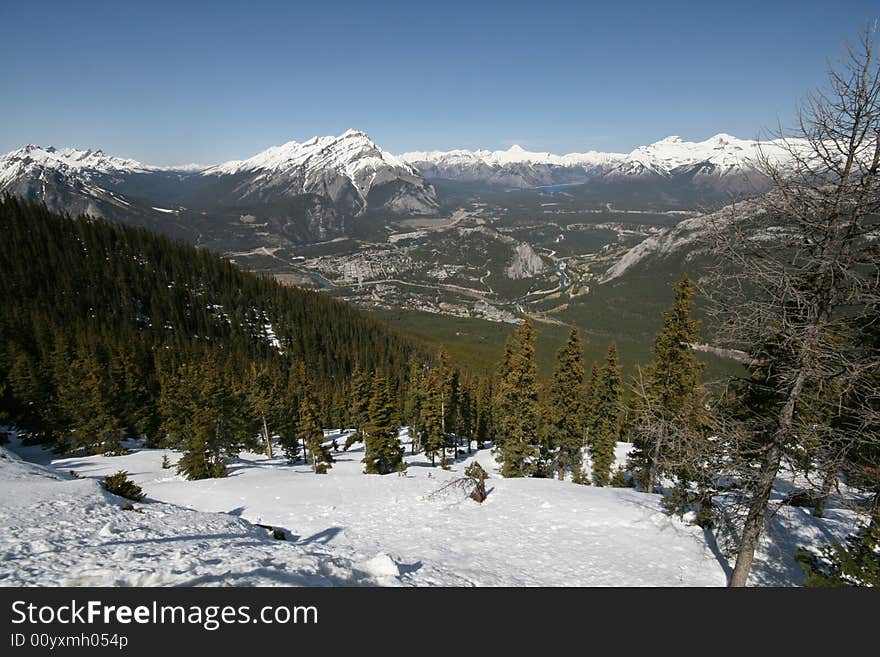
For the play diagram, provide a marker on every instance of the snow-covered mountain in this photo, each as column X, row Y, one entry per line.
column 720, row 161
column 30, row 159
column 68, row 179
column 305, row 191
column 350, row 170
column 515, row 167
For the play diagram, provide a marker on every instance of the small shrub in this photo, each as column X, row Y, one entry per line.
column 321, row 468
column 802, row 498
column 621, row 478
column 166, row 464
column 351, row 440
column 218, row 470
column 856, row 562
column 580, row 477
column 120, row 484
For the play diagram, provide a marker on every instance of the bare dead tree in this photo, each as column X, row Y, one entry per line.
column 797, row 288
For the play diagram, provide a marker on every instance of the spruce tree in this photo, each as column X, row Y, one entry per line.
column 413, row 404
column 565, row 409
column 606, row 412
column 291, row 401
column 91, row 404
column 668, row 412
column 484, row 422
column 206, row 416
column 382, row 450
column 516, row 404
column 435, row 403
column 361, row 395
column 313, row 433
column 268, row 402
column 856, row 562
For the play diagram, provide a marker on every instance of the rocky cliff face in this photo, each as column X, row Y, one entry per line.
column 526, row 262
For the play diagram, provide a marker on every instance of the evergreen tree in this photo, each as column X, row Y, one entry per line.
column 853, row 563
column 90, row 402
column 436, row 402
column 382, row 450
column 313, row 433
column 516, row 404
column 289, row 410
column 565, row 409
column 607, row 392
column 361, row 395
column 484, row 422
column 269, row 403
column 206, row 416
column 668, row 413
column 413, row 404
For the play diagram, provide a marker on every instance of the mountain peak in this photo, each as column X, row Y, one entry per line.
column 351, row 132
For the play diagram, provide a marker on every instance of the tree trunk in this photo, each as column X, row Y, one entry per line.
column 755, row 520
column 560, row 473
column 267, row 439
column 828, row 475
column 764, row 485
column 652, row 469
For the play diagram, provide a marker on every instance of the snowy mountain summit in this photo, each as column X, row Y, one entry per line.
column 347, row 169
column 716, row 157
column 515, row 167
column 306, row 191
column 721, row 155
column 32, row 159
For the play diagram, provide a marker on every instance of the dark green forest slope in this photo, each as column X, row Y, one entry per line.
column 94, row 315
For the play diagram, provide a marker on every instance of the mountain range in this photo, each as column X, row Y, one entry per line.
column 306, row 191
column 720, row 161
column 335, row 186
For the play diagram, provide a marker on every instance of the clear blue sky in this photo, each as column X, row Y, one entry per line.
column 177, row 82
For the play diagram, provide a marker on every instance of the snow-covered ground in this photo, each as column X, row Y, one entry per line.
column 346, row 528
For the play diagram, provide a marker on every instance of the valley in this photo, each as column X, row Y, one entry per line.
column 480, row 236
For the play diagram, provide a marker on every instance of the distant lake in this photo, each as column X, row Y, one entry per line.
column 552, row 189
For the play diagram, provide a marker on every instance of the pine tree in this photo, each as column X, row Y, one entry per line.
column 565, row 409
column 91, row 404
column 206, row 416
column 668, row 413
column 853, row 563
column 313, row 433
column 289, row 410
column 435, row 403
column 413, row 404
column 605, row 430
column 382, row 450
column 516, row 407
column 484, row 421
column 361, row 395
column 268, row 401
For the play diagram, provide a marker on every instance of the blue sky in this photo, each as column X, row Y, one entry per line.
column 170, row 83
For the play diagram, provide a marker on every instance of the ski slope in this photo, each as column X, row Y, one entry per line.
column 344, row 528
